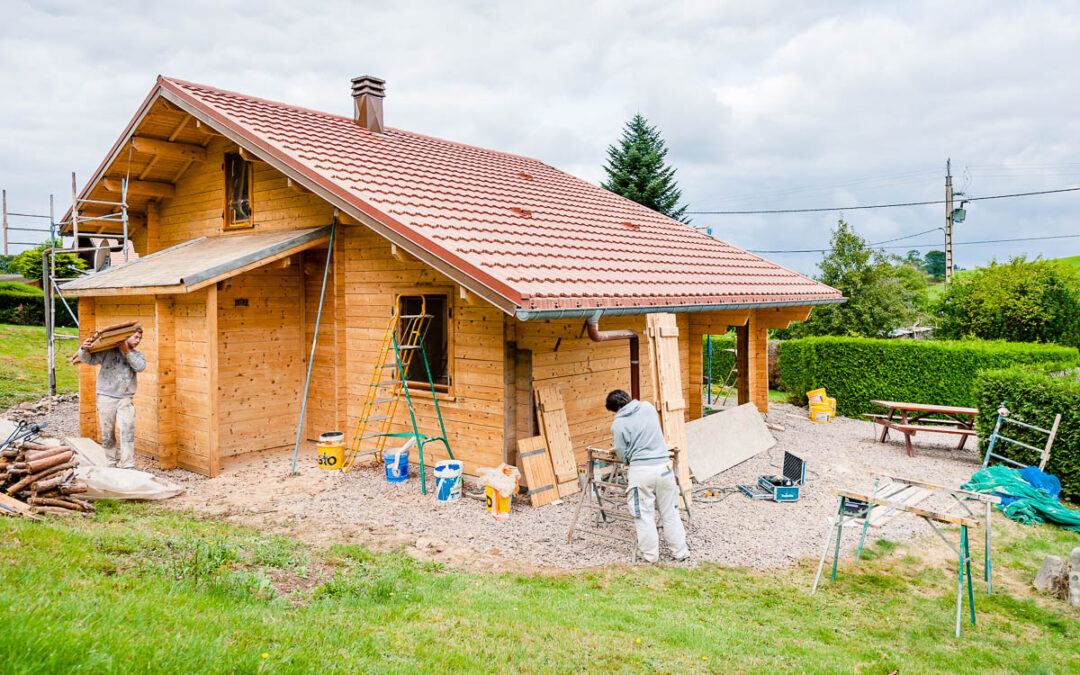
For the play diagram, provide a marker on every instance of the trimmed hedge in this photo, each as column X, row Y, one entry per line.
column 858, row 370
column 24, row 307
column 722, row 361
column 1034, row 397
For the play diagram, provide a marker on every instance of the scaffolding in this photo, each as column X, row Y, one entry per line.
column 116, row 213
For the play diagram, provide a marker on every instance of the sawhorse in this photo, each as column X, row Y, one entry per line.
column 963, row 553
column 605, row 495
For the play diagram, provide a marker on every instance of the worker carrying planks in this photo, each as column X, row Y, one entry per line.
column 116, row 382
column 639, row 441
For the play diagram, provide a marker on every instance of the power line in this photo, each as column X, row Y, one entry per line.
column 910, row 246
column 877, row 206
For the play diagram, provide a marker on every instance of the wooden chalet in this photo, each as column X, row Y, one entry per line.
column 531, row 274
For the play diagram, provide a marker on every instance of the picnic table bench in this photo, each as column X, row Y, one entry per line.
column 911, row 418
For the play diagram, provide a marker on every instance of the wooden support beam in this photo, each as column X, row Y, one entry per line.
column 781, row 317
column 204, row 128
column 248, row 156
column 140, row 187
column 169, row 149
column 88, row 426
column 213, row 399
column 165, row 337
column 180, row 127
column 400, row 255
column 467, row 296
column 297, row 187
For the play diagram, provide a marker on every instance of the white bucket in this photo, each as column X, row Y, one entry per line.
column 448, row 480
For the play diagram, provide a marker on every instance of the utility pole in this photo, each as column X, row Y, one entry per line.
column 948, row 222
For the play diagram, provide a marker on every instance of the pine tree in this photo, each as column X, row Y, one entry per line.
column 636, row 170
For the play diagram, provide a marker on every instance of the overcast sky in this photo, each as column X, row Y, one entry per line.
column 764, row 105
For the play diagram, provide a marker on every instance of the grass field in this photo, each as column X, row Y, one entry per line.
column 934, row 291
column 139, row 588
column 23, row 364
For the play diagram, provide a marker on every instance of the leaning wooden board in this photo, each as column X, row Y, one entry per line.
column 551, row 414
column 663, row 335
column 535, row 464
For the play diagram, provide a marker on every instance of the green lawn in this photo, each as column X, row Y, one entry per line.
column 24, row 372
column 935, row 290
column 139, row 588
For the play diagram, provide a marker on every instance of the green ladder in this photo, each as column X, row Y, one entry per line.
column 416, row 326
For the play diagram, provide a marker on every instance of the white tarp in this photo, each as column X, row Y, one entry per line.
column 111, row 483
column 720, row 441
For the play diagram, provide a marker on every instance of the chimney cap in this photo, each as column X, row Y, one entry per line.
column 370, row 85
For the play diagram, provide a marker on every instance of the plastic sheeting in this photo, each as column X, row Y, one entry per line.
column 103, row 482
column 1028, row 495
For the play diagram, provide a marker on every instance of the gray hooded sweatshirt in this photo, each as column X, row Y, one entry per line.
column 117, row 375
column 637, row 435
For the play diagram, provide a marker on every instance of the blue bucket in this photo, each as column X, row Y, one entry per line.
column 397, row 465
column 448, row 480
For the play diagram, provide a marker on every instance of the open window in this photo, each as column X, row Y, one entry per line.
column 436, row 338
column 238, row 189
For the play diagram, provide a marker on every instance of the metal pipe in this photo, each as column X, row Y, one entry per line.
column 597, row 335
column 597, row 312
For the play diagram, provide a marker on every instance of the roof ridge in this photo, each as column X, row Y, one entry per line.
column 323, row 113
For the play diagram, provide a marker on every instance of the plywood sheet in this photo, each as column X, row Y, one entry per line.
column 556, row 432
column 535, row 464
column 87, row 450
column 720, row 441
column 663, row 333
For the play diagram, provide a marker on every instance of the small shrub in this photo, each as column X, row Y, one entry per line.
column 856, row 371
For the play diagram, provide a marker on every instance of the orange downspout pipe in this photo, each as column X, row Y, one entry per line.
column 597, row 335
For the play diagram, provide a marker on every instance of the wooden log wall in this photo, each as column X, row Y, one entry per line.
column 198, row 208
column 193, row 344
column 261, row 358
column 472, row 409
column 585, row 371
column 322, row 409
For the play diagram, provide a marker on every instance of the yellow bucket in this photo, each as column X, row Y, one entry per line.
column 497, row 505
column 331, row 450
column 832, row 406
column 815, row 396
column 819, row 412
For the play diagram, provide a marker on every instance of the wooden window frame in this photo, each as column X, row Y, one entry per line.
column 228, row 224
column 442, row 391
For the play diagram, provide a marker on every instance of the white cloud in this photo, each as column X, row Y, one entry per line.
column 763, row 105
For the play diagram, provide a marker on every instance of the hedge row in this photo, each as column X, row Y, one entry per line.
column 25, row 308
column 858, row 370
column 722, row 360
column 1033, row 396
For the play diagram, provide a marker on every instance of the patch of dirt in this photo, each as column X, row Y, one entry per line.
column 326, row 507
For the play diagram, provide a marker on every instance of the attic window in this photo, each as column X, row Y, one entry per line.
column 238, row 189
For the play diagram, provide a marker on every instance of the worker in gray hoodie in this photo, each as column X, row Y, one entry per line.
column 115, row 386
column 651, row 487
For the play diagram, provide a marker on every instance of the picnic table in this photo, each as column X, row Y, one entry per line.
column 911, row 418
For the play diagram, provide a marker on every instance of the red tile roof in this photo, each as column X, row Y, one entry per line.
column 535, row 235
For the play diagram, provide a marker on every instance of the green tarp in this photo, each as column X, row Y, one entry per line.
column 1031, row 504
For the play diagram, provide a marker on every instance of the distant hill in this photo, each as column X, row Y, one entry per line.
column 934, row 291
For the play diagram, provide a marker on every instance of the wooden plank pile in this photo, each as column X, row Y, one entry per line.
column 39, row 478
column 108, row 337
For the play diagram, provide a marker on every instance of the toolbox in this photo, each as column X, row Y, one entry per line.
column 783, row 488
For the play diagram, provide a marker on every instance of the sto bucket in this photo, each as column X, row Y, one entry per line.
column 331, row 450
column 448, row 480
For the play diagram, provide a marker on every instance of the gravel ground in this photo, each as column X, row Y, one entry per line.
column 324, row 507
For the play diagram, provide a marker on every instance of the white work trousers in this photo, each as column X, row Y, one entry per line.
column 651, row 488
column 117, row 415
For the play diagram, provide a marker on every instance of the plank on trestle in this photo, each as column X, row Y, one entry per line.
column 663, row 336
column 556, row 432
column 535, row 464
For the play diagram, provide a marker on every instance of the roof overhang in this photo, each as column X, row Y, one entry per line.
column 594, row 314
column 196, row 264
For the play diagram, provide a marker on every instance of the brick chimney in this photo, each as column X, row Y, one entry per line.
column 368, row 93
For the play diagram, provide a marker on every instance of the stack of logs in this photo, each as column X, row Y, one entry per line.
column 40, row 476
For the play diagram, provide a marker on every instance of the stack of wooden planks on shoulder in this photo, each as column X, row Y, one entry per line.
column 37, row 479
column 109, row 337
column 547, row 461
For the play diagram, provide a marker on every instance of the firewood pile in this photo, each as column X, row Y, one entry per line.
column 40, row 476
